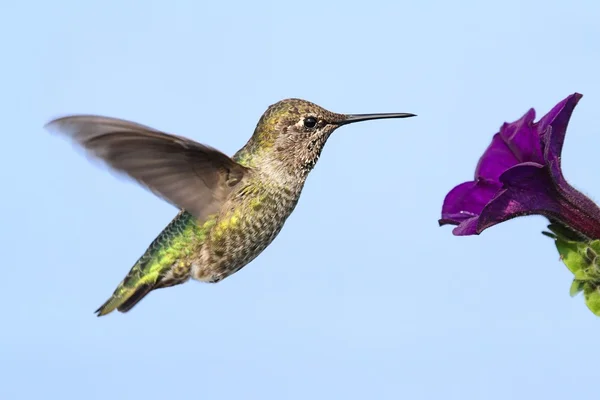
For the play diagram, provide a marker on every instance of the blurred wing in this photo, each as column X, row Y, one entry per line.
column 187, row 174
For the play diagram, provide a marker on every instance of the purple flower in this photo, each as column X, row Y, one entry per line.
column 520, row 174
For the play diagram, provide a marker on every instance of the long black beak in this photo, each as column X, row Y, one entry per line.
column 351, row 118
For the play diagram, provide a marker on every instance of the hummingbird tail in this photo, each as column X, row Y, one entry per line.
column 152, row 270
column 135, row 298
column 124, row 299
column 140, row 280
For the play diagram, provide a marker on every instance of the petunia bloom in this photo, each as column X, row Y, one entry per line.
column 520, row 174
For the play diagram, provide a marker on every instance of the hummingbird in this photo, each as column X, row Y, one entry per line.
column 230, row 208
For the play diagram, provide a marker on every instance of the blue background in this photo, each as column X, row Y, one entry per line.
column 362, row 295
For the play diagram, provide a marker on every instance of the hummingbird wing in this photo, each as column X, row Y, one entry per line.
column 187, row 174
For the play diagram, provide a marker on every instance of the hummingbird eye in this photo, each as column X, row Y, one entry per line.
column 310, row 122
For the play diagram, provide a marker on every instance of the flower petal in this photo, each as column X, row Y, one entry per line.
column 523, row 139
column 465, row 202
column 516, row 142
column 554, row 127
column 557, row 119
column 519, row 174
column 528, row 189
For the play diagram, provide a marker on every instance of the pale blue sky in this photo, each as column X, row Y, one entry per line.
column 361, row 296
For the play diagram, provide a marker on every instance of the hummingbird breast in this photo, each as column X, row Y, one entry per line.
column 248, row 222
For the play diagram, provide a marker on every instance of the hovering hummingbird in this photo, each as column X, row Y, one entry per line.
column 231, row 209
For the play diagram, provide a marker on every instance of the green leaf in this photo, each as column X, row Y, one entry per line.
column 583, row 260
column 576, row 287
column 562, row 232
column 571, row 255
column 591, row 294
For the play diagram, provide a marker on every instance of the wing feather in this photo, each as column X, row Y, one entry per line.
column 187, row 174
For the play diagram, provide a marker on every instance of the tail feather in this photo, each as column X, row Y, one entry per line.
column 135, row 298
column 150, row 270
column 124, row 299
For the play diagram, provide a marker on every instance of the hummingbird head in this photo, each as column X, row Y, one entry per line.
column 293, row 132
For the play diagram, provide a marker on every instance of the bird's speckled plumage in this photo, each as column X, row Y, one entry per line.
column 231, row 208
